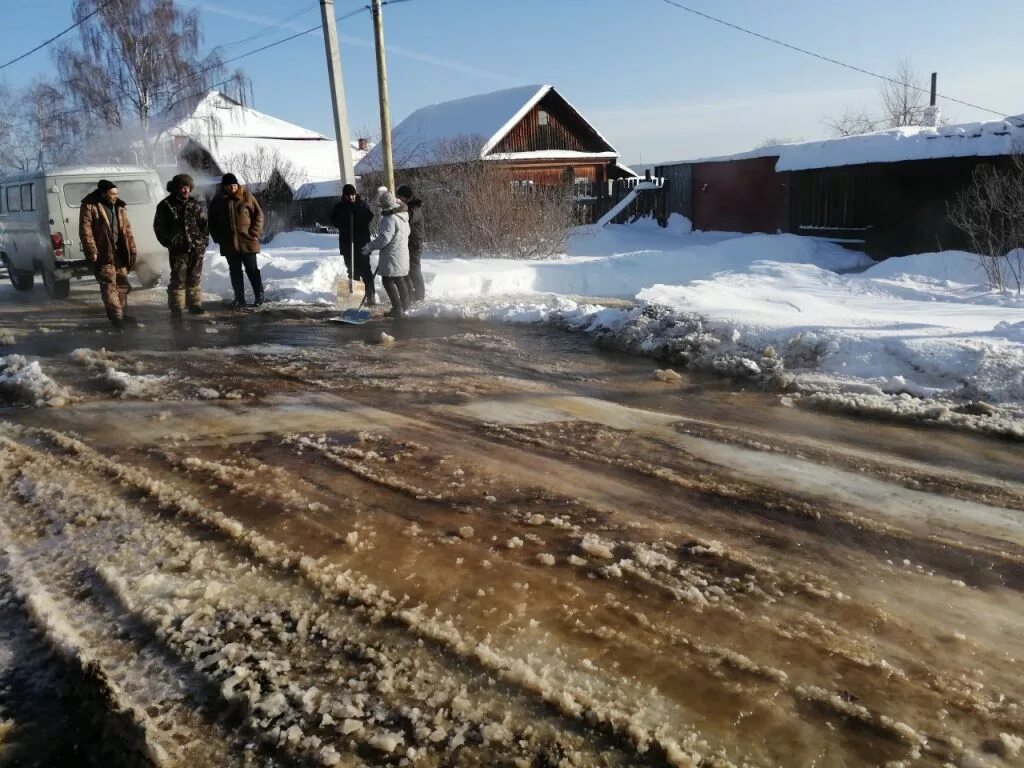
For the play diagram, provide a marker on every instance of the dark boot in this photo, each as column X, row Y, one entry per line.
column 176, row 313
column 237, row 284
column 391, row 285
column 256, row 278
column 196, row 309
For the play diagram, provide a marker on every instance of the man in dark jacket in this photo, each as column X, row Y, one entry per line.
column 352, row 217
column 181, row 227
column 417, row 234
column 236, row 222
column 107, row 241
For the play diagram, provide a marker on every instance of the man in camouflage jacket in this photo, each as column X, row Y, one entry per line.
column 107, row 241
column 181, row 227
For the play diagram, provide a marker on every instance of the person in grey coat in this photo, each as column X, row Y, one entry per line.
column 392, row 241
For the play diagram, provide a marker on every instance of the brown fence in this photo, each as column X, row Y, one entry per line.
column 595, row 198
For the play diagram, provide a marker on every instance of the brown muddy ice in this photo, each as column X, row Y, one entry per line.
column 265, row 539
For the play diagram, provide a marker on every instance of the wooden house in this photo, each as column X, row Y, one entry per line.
column 532, row 132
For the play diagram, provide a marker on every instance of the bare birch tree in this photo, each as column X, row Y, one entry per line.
column 37, row 127
column 135, row 60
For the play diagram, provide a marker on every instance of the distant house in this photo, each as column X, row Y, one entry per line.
column 531, row 131
column 217, row 134
column 886, row 191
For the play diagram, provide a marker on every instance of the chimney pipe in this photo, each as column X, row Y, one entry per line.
column 935, row 88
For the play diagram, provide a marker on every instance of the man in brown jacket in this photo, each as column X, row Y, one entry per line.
column 107, row 240
column 236, row 222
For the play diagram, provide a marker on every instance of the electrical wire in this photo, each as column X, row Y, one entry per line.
column 829, row 59
column 56, row 37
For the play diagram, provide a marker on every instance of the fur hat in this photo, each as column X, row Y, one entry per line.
column 229, row 178
column 179, row 181
column 103, row 185
column 387, row 200
column 405, row 192
column 348, row 189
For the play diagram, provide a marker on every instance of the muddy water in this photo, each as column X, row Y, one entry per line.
column 633, row 572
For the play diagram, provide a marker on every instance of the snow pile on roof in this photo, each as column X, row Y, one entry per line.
column 226, row 129
column 999, row 137
column 331, row 187
column 485, row 117
column 483, row 120
column 894, row 145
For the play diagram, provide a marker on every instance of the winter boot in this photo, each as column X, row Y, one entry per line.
column 256, row 278
column 176, row 313
column 194, row 299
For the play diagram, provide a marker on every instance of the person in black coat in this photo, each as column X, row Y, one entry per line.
column 417, row 235
column 352, row 218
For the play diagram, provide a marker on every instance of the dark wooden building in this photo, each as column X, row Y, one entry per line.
column 885, row 192
column 532, row 132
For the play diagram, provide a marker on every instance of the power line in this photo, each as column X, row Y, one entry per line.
column 830, row 60
column 197, row 76
column 56, row 37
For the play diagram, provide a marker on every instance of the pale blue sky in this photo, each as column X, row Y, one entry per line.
column 659, row 83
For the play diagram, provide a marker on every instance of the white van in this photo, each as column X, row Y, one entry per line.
column 39, row 224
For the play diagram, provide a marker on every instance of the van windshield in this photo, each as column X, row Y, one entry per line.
column 132, row 192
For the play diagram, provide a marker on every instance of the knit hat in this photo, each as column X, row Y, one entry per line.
column 348, row 189
column 103, row 185
column 405, row 191
column 387, row 200
column 179, row 181
column 229, row 178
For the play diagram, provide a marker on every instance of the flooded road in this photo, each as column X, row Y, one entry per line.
column 268, row 540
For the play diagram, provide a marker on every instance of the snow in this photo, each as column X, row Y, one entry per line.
column 900, row 144
column 894, row 145
column 225, row 129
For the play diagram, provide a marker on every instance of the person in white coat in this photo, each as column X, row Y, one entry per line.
column 392, row 241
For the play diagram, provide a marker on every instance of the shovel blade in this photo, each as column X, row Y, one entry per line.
column 353, row 316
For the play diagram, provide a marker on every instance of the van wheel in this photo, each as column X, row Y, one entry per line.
column 56, row 289
column 21, row 279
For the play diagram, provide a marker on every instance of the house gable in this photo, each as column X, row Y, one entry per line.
column 551, row 124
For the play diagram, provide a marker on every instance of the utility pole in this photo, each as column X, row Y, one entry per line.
column 337, row 93
column 382, row 87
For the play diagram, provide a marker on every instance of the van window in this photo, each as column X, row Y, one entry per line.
column 133, row 192
column 13, row 199
column 27, row 202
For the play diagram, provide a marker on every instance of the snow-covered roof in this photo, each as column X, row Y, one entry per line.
column 485, row 118
column 991, row 139
column 226, row 129
column 96, row 171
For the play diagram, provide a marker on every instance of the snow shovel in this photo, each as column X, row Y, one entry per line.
column 357, row 316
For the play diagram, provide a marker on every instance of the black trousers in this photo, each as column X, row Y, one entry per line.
column 417, row 290
column 364, row 272
column 238, row 261
column 398, row 292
